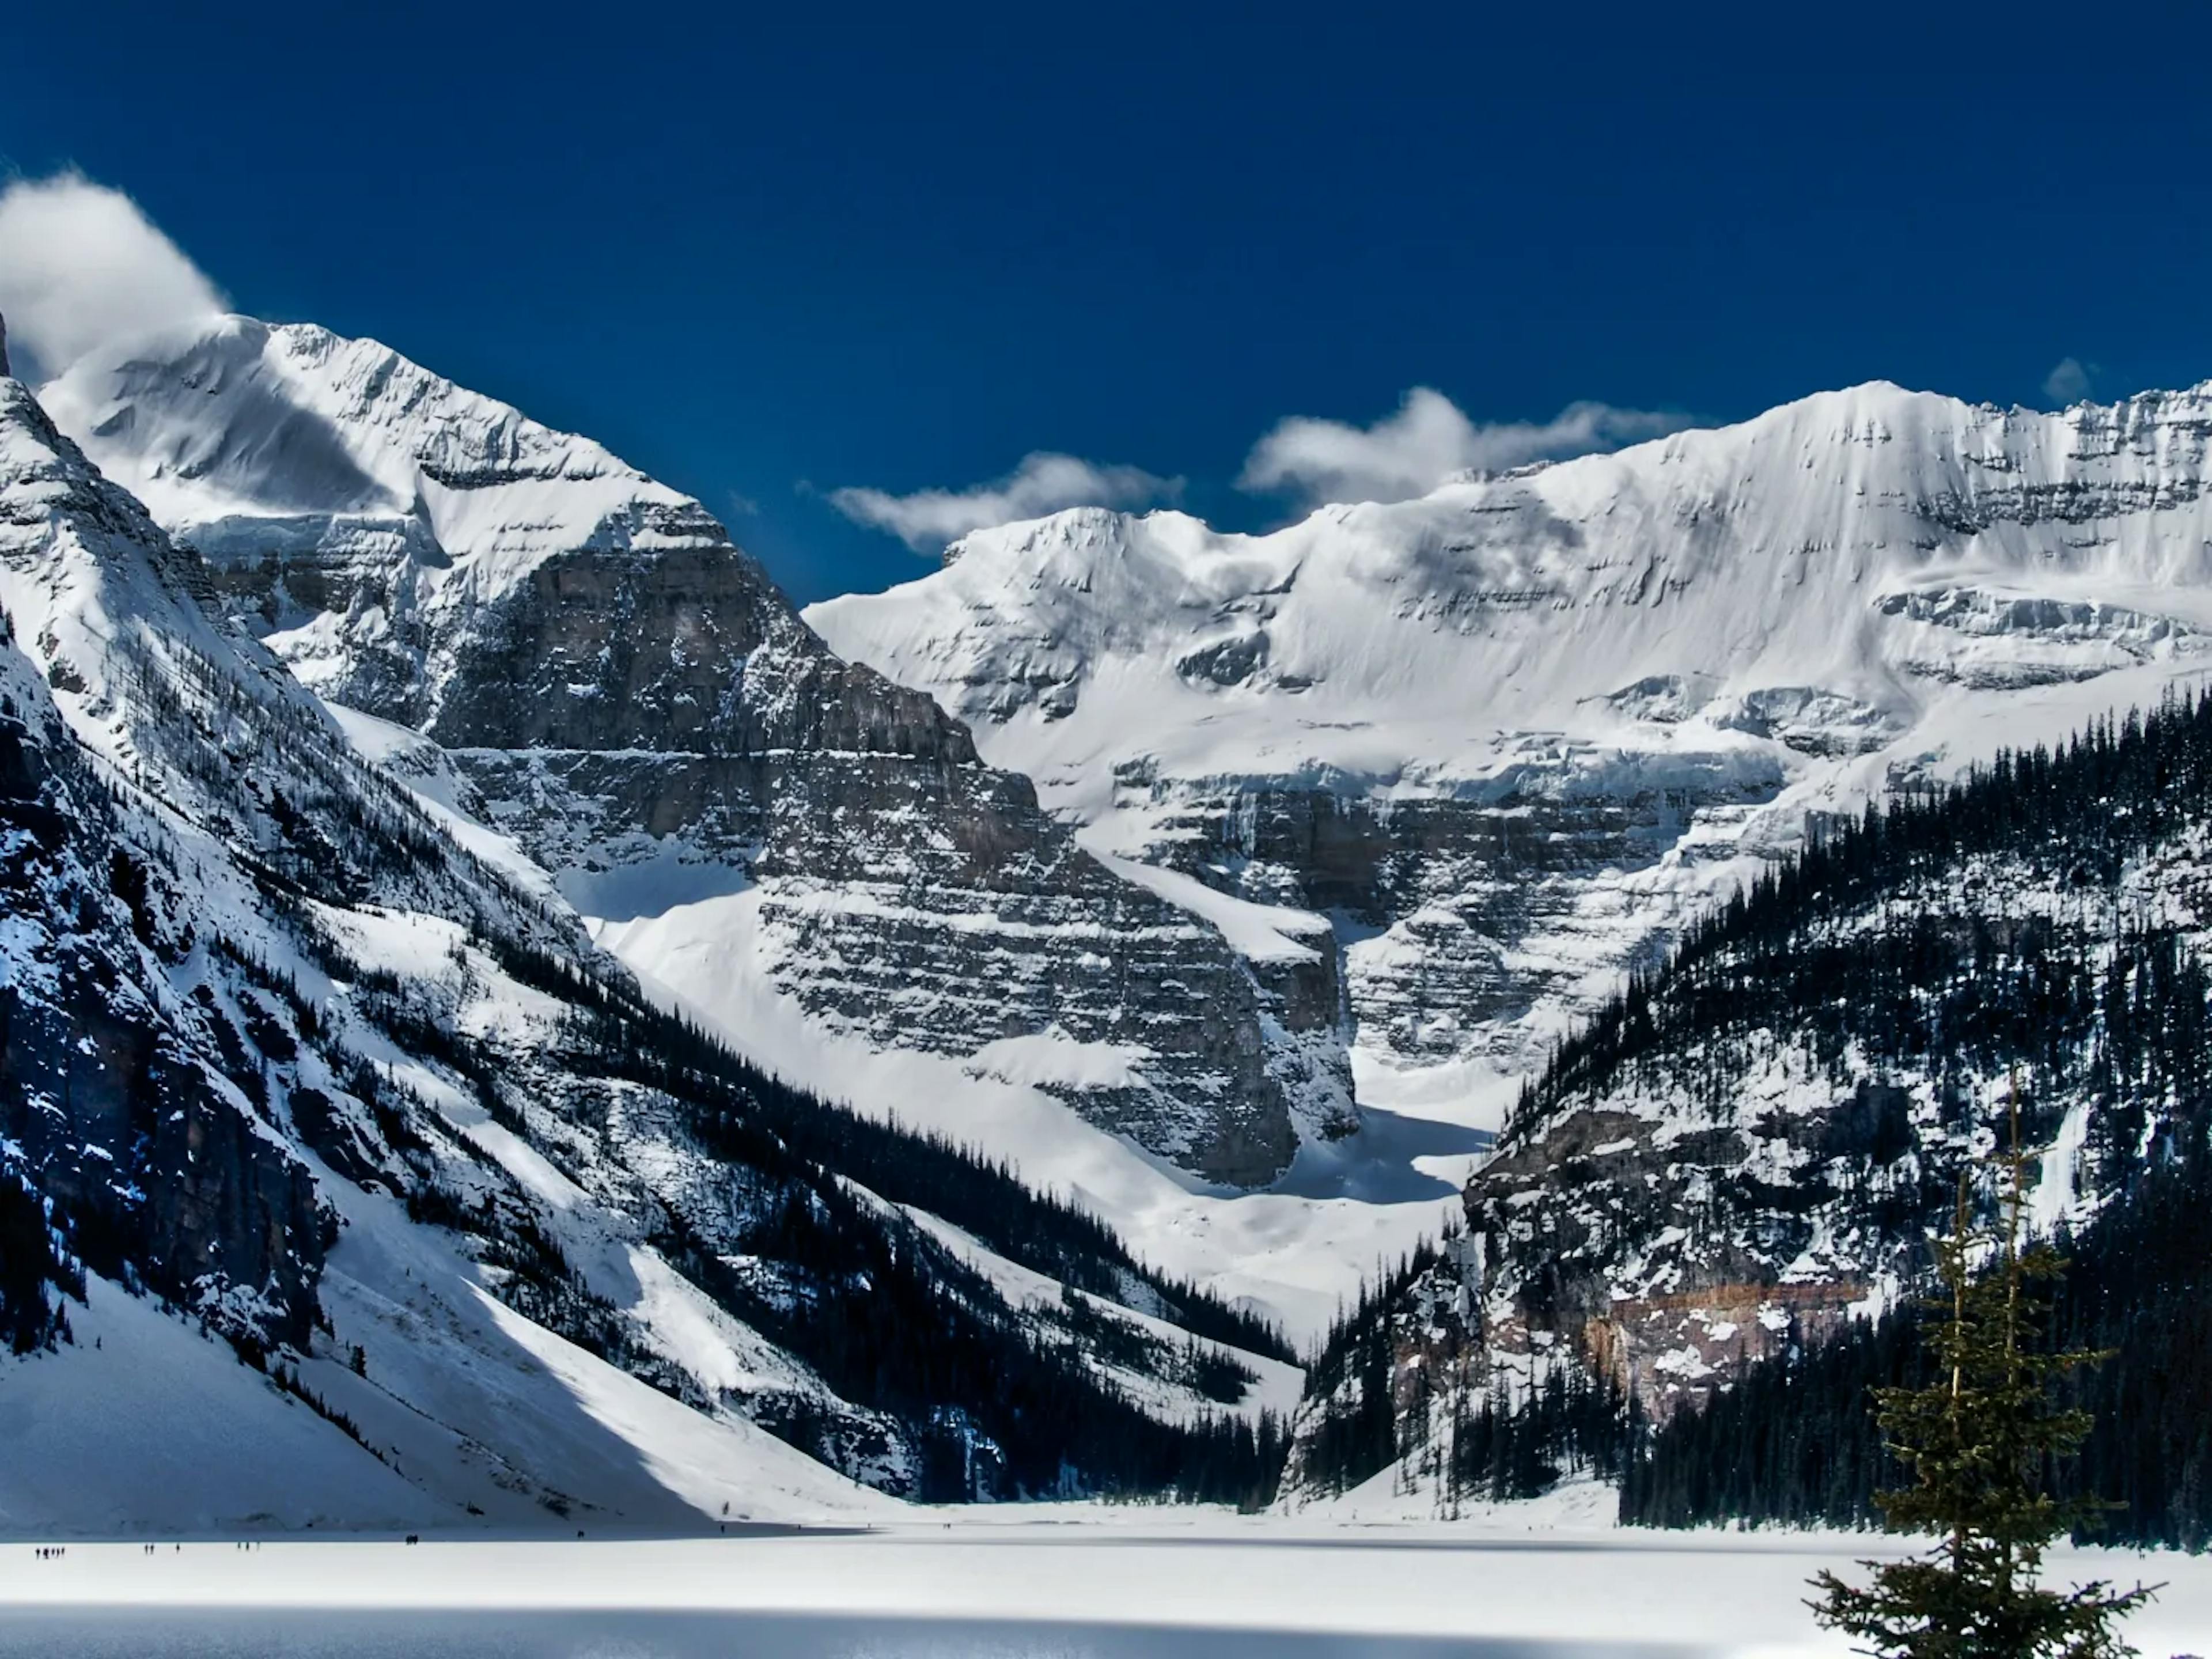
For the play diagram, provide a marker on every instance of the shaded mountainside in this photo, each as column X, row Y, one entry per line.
column 1791, row 1440
column 281, row 1056
column 627, row 694
column 1752, row 1144
column 1794, row 1443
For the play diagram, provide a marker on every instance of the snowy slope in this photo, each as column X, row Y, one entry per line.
column 211, row 1105
column 321, row 1066
column 1507, row 736
column 1295, row 1253
column 237, row 432
column 1870, row 546
column 625, row 695
column 159, row 1428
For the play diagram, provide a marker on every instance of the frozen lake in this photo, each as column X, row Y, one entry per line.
column 224, row 1633
column 1172, row 1586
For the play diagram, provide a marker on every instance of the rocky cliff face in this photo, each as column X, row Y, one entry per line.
column 1457, row 913
column 1754, row 1144
column 112, row 1105
column 162, row 794
column 625, row 690
column 1509, row 739
column 278, row 1050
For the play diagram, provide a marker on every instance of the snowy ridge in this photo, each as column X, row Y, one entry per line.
column 1512, row 734
column 247, row 428
column 412, row 504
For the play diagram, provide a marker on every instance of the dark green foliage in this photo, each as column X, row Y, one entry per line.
column 1566, row 1421
column 1897, row 938
column 2141, row 1288
column 1509, row 1440
column 1008, row 1404
column 1792, row 1442
column 1977, row 1437
column 1214, row 1376
column 1952, row 990
column 30, row 1264
column 1355, row 1434
column 623, row 1035
column 998, row 1403
column 893, row 1322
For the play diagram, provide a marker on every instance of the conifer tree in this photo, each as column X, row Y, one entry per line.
column 1977, row 1439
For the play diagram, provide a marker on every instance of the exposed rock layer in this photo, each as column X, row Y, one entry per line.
column 621, row 685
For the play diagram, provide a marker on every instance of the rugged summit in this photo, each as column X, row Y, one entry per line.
column 626, row 693
column 1508, row 738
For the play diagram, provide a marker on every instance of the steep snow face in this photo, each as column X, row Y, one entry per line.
column 409, row 502
column 88, row 578
column 1509, row 735
column 628, row 699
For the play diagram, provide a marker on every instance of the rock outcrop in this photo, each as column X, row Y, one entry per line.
column 625, row 689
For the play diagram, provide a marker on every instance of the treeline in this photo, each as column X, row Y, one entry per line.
column 1794, row 1442
column 995, row 1404
column 1471, row 1432
column 1955, row 936
column 1789, row 1443
column 1354, row 1432
column 625, row 1035
column 890, row 1320
column 893, row 1323
column 2014, row 985
column 1907, row 936
column 1566, row 1422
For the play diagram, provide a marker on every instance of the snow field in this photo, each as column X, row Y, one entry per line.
column 1717, row 1594
column 1296, row 1258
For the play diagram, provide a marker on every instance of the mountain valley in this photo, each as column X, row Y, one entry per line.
column 569, row 1039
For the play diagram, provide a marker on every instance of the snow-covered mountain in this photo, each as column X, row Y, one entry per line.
column 198, row 1095
column 405, row 831
column 626, row 694
column 343, row 1179
column 1745, row 1156
column 1503, row 741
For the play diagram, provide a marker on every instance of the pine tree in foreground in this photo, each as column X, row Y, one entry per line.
column 1977, row 1439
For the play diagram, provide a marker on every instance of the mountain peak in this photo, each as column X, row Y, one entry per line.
column 1450, row 717
column 432, row 558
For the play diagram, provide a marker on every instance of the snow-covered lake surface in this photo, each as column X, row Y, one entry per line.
column 1145, row 1583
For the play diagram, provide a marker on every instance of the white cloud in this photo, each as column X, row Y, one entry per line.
column 79, row 263
column 2068, row 382
column 1428, row 440
column 1044, row 483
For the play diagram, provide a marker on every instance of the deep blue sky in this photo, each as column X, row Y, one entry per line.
column 902, row 248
